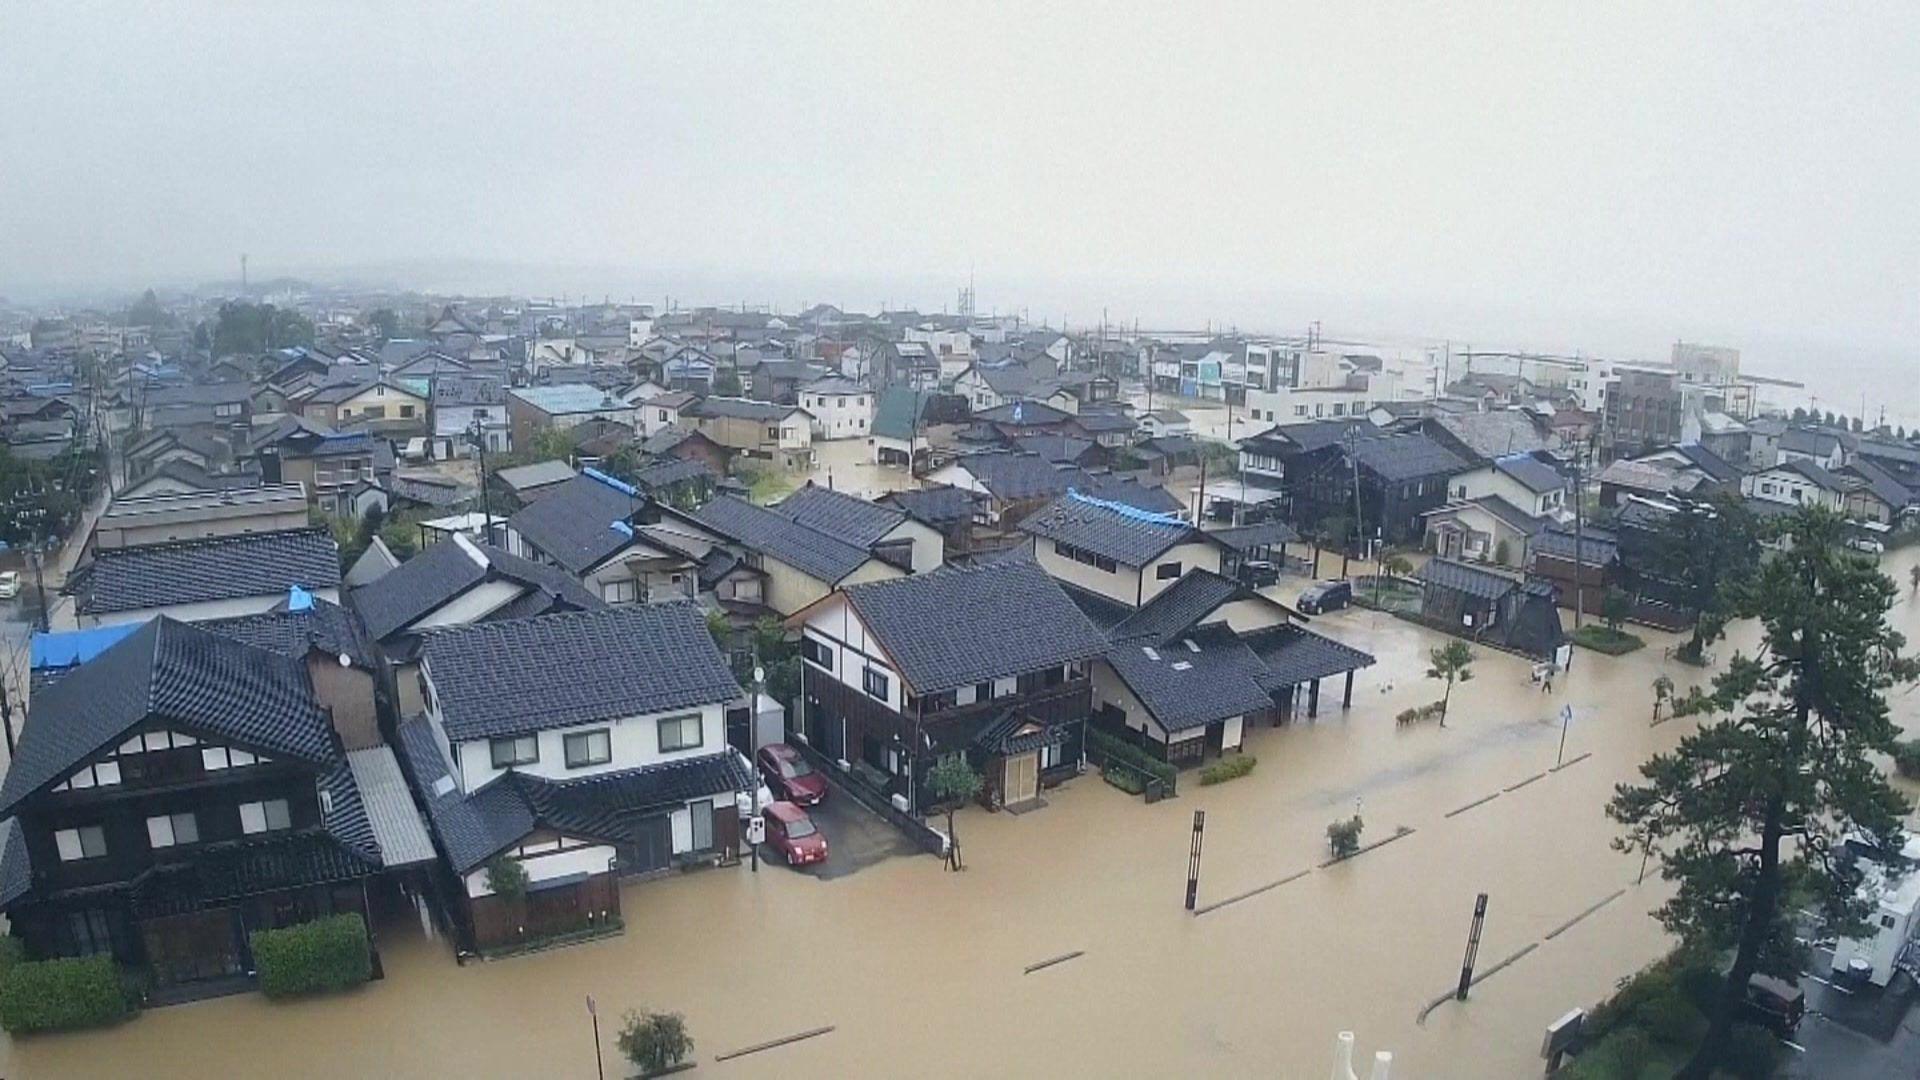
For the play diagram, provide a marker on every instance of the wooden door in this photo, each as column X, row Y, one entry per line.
column 1022, row 778
column 197, row 945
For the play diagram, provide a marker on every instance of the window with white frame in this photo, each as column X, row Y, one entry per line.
column 168, row 830
column 875, row 682
column 269, row 815
column 620, row 592
column 516, row 750
column 586, row 748
column 85, row 842
column 679, row 732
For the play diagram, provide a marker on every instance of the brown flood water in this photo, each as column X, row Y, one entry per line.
column 920, row 971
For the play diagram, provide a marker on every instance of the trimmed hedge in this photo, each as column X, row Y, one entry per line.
column 1121, row 750
column 322, row 955
column 58, row 995
column 1605, row 639
column 1228, row 768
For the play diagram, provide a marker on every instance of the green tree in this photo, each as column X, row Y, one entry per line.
column 147, row 311
column 1396, row 566
column 726, row 383
column 243, row 327
column 1662, row 692
column 1703, row 551
column 1452, row 662
column 506, row 877
column 953, row 781
column 1615, row 607
column 1758, row 801
column 384, row 323
column 654, row 1041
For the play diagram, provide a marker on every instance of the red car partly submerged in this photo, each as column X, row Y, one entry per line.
column 794, row 835
column 790, row 776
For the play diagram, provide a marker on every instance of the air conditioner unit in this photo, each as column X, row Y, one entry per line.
column 899, row 803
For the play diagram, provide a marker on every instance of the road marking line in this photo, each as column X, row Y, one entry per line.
column 1481, row 801
column 1569, row 924
column 1061, row 959
column 1572, row 763
column 1793, row 1045
column 771, row 1044
column 1256, row 891
column 1524, row 783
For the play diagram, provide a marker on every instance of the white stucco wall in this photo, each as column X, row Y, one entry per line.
column 838, row 629
column 211, row 609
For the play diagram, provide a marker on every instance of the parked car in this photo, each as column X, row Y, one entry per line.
column 790, row 776
column 794, row 835
column 9, row 584
column 1867, row 544
column 1324, row 596
column 1775, row 1003
column 1258, row 574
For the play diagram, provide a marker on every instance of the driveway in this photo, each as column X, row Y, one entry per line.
column 856, row 838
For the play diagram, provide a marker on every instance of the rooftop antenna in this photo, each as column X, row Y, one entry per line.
column 243, row 272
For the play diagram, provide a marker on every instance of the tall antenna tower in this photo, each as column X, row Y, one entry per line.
column 965, row 304
column 243, row 271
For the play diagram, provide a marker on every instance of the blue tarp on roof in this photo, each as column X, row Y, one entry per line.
column 70, row 647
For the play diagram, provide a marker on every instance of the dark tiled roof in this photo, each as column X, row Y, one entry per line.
column 572, row 524
column 1294, row 654
column 1126, row 489
column 1023, row 414
column 1508, row 514
column 1801, row 440
column 447, row 569
column 1194, row 679
column 958, row 626
column 839, row 515
column 1556, row 542
column 327, row 627
column 1095, row 422
column 1458, row 576
column 219, row 568
column 16, row 865
column 1814, row 474
column 222, row 873
column 1014, row 732
column 1179, row 606
column 741, row 409
column 498, row 678
column 1016, row 476
column 1882, row 483
column 1406, row 457
column 1531, row 473
column 471, row 829
column 1708, row 462
column 1127, row 535
column 809, row 551
column 1054, row 448
column 202, row 681
column 939, row 506
column 667, row 473
column 1103, row 612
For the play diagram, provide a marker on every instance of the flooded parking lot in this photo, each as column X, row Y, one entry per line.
column 922, row 972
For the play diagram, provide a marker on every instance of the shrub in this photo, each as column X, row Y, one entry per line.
column 12, row 951
column 1906, row 758
column 1228, row 768
column 1751, row 1053
column 322, row 955
column 1672, row 1020
column 1121, row 750
column 1418, row 713
column 654, row 1041
column 1344, row 836
column 56, row 995
column 1606, row 639
column 506, row 877
column 1622, row 1056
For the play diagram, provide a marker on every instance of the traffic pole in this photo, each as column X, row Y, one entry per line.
column 1193, row 857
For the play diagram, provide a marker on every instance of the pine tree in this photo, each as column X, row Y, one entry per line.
column 1703, row 550
column 1760, row 799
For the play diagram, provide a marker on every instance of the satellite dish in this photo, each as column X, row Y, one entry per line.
column 345, row 660
column 759, row 674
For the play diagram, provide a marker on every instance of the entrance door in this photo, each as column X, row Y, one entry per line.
column 1022, row 778
column 652, row 845
column 197, row 945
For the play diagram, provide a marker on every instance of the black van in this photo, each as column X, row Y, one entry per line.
column 1775, row 1003
column 1325, row 596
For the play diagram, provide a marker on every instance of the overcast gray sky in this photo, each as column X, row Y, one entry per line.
column 1543, row 173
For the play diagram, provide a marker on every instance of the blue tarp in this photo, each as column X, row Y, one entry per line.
column 70, row 647
column 299, row 599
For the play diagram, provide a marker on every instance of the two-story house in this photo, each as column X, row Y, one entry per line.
column 174, row 793
column 463, row 404
column 755, row 429
column 1121, row 555
column 456, row 582
column 989, row 661
column 1796, row 482
column 841, row 408
column 1398, row 478
column 586, row 526
column 618, row 767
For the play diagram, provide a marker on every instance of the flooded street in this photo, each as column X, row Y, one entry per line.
column 920, row 972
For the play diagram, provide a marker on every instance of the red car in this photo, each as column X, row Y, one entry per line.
column 794, row 835
column 789, row 776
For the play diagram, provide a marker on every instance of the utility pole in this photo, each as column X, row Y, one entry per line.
column 478, row 435
column 1353, row 458
column 1579, row 544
